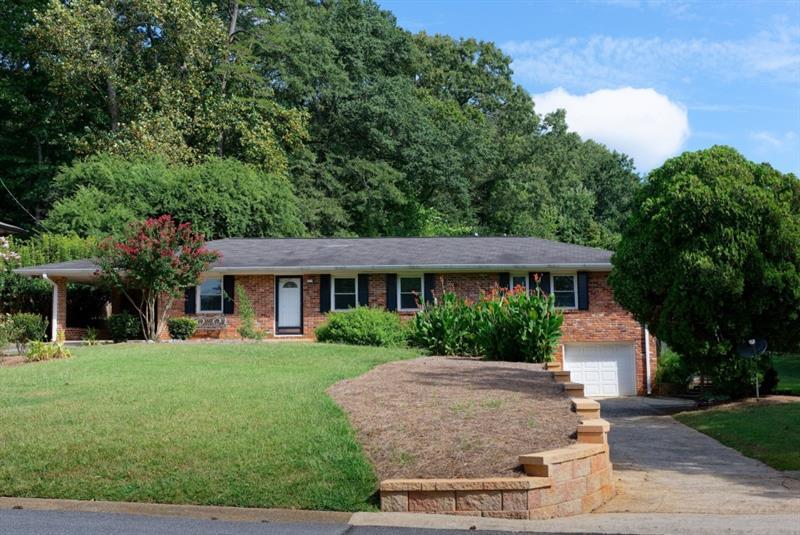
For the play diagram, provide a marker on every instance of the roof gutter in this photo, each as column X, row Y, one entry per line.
column 374, row 268
column 381, row 268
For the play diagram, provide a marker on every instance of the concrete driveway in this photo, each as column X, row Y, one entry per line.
column 664, row 466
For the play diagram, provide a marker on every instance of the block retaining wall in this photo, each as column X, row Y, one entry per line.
column 566, row 481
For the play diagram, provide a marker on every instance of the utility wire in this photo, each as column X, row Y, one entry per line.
column 21, row 205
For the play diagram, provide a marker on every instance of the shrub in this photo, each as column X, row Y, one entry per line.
column 247, row 316
column 39, row 351
column 446, row 327
column 181, row 328
column 673, row 370
column 5, row 335
column 124, row 327
column 733, row 377
column 504, row 325
column 26, row 327
column 363, row 326
column 518, row 325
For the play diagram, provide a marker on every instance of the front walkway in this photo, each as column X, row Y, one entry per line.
column 664, row 466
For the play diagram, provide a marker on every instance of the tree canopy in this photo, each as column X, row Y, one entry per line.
column 376, row 130
column 220, row 198
column 711, row 255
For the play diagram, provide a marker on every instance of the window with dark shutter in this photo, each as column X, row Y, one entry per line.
column 210, row 296
column 391, row 291
column 565, row 290
column 344, row 293
column 324, row 293
column 410, row 292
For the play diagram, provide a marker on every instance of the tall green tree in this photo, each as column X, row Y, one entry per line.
column 33, row 123
column 711, row 255
column 161, row 77
column 219, row 197
column 380, row 132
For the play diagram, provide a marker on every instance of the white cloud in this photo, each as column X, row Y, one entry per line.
column 642, row 123
column 766, row 140
column 606, row 61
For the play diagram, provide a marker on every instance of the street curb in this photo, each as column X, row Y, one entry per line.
column 595, row 523
column 205, row 512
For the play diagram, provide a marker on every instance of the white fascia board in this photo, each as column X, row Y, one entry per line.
column 437, row 268
column 88, row 274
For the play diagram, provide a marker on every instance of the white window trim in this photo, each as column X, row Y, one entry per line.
column 518, row 274
column 197, row 308
column 574, row 276
column 421, row 297
column 333, row 291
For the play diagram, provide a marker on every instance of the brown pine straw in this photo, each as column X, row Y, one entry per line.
column 448, row 417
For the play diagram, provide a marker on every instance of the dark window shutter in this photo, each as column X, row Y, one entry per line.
column 504, row 280
column 189, row 304
column 391, row 291
column 544, row 280
column 583, row 290
column 363, row 289
column 324, row 293
column 228, row 288
column 429, row 282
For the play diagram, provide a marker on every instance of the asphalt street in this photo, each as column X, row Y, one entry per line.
column 24, row 522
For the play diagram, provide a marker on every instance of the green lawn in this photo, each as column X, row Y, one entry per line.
column 769, row 432
column 245, row 425
column 788, row 367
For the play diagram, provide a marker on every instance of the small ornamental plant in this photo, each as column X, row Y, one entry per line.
column 518, row 325
column 248, row 328
column 181, row 328
column 39, row 351
column 446, row 326
column 160, row 259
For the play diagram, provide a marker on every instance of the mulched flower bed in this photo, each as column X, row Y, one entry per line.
column 455, row 417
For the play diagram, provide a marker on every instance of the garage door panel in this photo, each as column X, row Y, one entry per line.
column 605, row 370
column 607, row 376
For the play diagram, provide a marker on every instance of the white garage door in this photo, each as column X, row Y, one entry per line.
column 605, row 370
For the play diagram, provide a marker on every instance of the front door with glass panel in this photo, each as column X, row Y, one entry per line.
column 290, row 305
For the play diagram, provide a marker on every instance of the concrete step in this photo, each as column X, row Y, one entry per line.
column 574, row 389
column 587, row 409
column 593, row 431
column 561, row 376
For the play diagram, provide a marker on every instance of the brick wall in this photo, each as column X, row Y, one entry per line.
column 604, row 321
column 261, row 291
column 607, row 321
column 312, row 317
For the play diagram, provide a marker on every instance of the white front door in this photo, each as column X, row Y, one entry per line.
column 289, row 303
column 604, row 370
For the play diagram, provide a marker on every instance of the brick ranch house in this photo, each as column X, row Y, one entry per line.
column 293, row 283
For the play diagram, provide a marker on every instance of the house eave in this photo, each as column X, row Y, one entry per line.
column 436, row 268
column 85, row 274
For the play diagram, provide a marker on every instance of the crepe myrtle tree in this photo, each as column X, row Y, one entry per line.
column 711, row 256
column 158, row 258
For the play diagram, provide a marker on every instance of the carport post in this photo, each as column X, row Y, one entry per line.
column 647, row 358
column 54, row 320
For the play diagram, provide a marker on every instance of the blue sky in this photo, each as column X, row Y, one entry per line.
column 648, row 77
